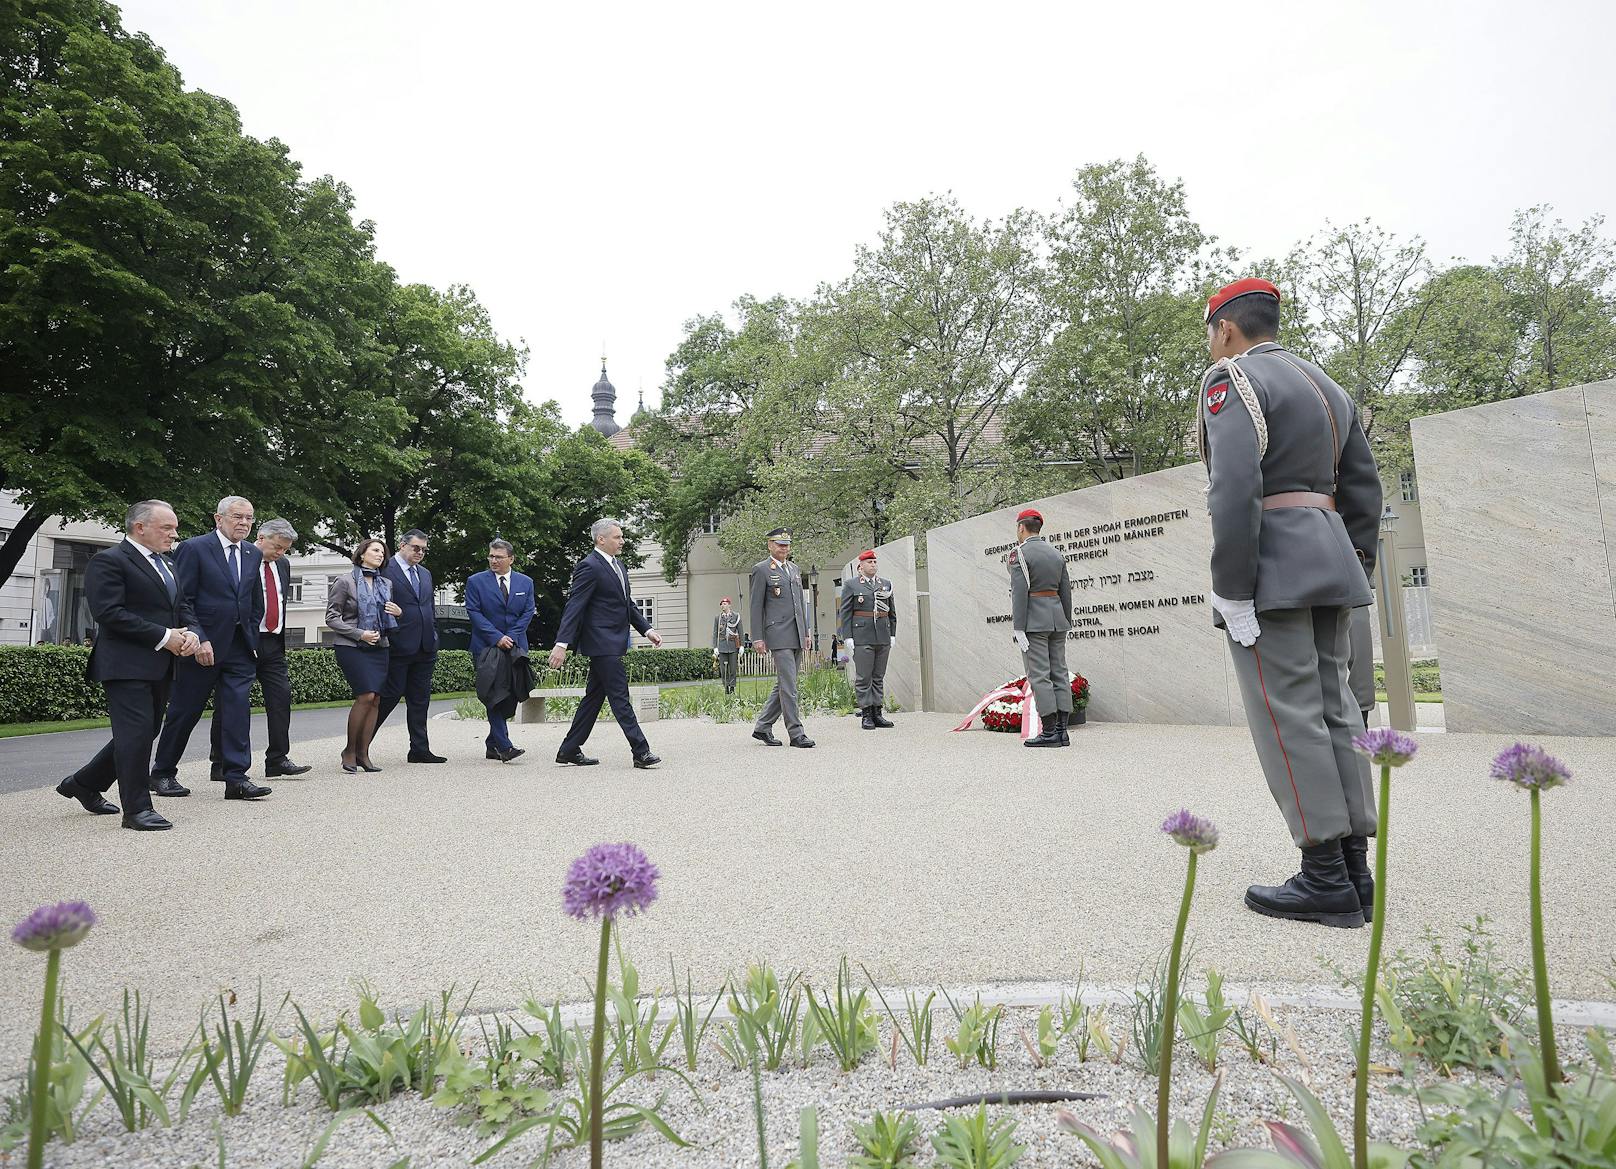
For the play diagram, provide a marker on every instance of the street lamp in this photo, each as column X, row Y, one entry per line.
column 1393, row 628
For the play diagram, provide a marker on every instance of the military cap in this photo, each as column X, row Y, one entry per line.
column 1250, row 286
column 1030, row 513
column 867, row 554
column 781, row 535
column 725, row 601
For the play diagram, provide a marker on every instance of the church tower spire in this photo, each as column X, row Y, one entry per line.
column 605, row 397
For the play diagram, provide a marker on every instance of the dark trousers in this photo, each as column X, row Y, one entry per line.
column 607, row 682
column 727, row 669
column 136, row 710
column 277, row 686
column 410, row 678
column 229, row 683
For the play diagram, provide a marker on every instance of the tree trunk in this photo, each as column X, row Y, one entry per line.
column 11, row 551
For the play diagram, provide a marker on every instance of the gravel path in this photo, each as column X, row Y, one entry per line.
column 934, row 858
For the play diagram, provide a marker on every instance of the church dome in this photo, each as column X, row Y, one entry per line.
column 605, row 397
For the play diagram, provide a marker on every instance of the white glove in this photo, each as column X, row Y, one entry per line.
column 847, row 644
column 1240, row 617
column 1020, row 638
column 715, row 653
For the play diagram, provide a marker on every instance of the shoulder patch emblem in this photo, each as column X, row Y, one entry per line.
column 1215, row 397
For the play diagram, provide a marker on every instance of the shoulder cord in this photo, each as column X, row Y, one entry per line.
column 1248, row 395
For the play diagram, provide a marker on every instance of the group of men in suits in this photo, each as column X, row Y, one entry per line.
column 174, row 634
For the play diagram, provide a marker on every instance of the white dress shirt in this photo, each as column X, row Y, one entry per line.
column 148, row 554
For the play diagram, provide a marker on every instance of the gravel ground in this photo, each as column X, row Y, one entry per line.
column 721, row 1129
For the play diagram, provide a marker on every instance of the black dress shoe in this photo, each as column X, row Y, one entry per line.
column 283, row 767
column 802, row 741
column 647, row 760
column 350, row 768
column 424, row 757
column 577, row 758
column 168, row 786
column 506, row 754
column 93, row 801
column 367, row 765
column 146, row 822
column 246, row 789
column 766, row 737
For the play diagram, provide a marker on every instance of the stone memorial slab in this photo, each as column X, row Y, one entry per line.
column 1519, row 507
column 1138, row 552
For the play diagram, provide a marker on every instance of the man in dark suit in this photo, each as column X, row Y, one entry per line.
column 600, row 609
column 412, row 645
column 219, row 574
column 275, row 540
column 500, row 604
column 146, row 623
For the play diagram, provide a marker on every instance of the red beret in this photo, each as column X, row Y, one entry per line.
column 867, row 554
column 725, row 601
column 1239, row 288
column 1031, row 513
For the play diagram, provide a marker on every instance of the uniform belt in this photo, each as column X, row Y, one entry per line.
column 1298, row 499
column 866, row 613
column 1044, row 593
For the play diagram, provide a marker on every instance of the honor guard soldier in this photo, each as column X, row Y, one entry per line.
column 1040, row 616
column 1295, row 501
column 869, row 622
column 727, row 642
column 780, row 627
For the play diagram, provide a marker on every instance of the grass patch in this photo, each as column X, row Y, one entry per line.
column 822, row 691
column 13, row 730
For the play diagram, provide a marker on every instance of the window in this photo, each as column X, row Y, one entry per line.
column 710, row 526
column 1419, row 577
column 296, row 637
column 1411, row 493
column 647, row 608
column 294, row 591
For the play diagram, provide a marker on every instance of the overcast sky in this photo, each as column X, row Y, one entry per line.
column 599, row 173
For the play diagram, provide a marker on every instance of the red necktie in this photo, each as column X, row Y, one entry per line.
column 272, row 600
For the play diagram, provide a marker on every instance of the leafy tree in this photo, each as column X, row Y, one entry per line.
column 1115, row 393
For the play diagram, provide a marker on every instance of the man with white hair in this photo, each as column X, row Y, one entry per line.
column 219, row 574
column 600, row 609
column 275, row 540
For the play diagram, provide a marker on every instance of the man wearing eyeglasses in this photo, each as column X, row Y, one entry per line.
column 413, row 645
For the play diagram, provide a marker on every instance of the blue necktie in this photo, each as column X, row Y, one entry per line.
column 415, row 581
column 162, row 571
column 235, row 568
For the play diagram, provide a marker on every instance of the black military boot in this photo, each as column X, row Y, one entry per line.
column 1321, row 892
column 1355, row 851
column 1050, row 736
column 878, row 718
column 1060, row 721
column 869, row 719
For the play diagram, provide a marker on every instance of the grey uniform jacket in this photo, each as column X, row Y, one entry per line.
column 1292, row 557
column 727, row 634
column 867, row 596
column 778, row 621
column 1035, row 567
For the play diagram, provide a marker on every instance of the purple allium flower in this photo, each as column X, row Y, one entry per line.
column 1194, row 832
column 1385, row 745
column 610, row 879
column 54, row 927
column 1529, row 767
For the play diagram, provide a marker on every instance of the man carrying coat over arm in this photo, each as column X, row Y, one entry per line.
column 1294, row 499
column 600, row 609
column 869, row 622
column 500, row 604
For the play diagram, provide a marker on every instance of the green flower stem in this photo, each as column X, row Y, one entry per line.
column 1360, row 1082
column 1170, row 1014
column 1552, row 1074
column 597, row 1047
column 757, row 1108
column 43, row 1049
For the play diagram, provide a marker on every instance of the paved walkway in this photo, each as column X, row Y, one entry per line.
column 932, row 857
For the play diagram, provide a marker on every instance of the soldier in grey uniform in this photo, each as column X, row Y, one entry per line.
column 869, row 622
column 780, row 626
column 1040, row 616
column 1295, row 500
column 727, row 642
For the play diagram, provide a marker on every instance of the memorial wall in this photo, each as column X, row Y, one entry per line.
column 1138, row 552
column 1519, row 506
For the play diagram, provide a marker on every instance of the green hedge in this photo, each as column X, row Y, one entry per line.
column 45, row 683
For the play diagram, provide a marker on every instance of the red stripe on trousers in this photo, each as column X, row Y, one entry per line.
column 1283, row 753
